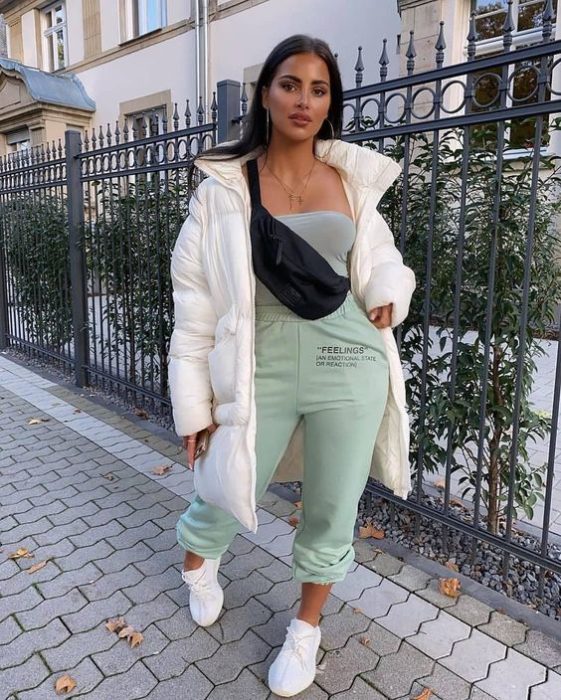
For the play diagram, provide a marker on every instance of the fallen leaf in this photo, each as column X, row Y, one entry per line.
column 357, row 610
column 452, row 565
column 449, row 587
column 77, row 410
column 21, row 552
column 136, row 638
column 36, row 421
column 64, row 684
column 36, row 567
column 370, row 531
column 293, row 520
column 108, row 476
column 456, row 502
column 298, row 505
column 439, row 484
column 141, row 413
column 126, row 631
column 162, row 469
column 364, row 641
column 425, row 695
column 115, row 624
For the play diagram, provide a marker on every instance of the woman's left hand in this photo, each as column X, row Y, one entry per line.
column 381, row 316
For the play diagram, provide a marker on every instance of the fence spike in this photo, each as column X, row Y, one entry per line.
column 359, row 68
column 508, row 27
column 48, row 151
column 101, row 139
column 200, row 111
column 472, row 38
column 411, row 53
column 547, row 20
column 187, row 114
column 53, row 149
column 94, row 139
column 86, row 140
column 440, row 46
column 117, row 132
column 108, row 134
column 176, row 117
column 214, row 108
column 60, row 149
column 384, row 61
column 126, row 130
column 154, row 123
column 42, row 153
column 244, row 100
column 164, row 122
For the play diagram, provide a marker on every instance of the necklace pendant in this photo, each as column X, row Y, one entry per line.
column 296, row 198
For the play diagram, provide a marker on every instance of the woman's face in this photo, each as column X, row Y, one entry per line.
column 299, row 96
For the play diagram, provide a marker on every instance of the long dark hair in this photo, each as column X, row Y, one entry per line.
column 255, row 127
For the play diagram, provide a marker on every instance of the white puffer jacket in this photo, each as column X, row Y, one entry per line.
column 212, row 362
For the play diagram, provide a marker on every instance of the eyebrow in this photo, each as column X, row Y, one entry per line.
column 293, row 77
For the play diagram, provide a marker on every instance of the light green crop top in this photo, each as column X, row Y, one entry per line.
column 331, row 233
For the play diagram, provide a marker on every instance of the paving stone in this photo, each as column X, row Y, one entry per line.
column 376, row 602
column 470, row 610
column 40, row 511
column 140, row 616
column 540, row 647
column 97, row 612
column 179, row 626
column 70, row 602
column 78, row 646
column 9, row 568
column 19, row 678
column 276, row 571
column 86, row 675
column 138, row 682
column 17, row 534
column 158, row 562
column 339, row 667
column 178, row 656
column 550, row 690
column 241, row 566
column 381, row 641
column 395, row 673
column 238, row 592
column 436, row 638
column 404, row 619
column 22, row 580
column 62, row 532
column 9, row 630
column 434, row 596
column 267, row 532
column 93, row 535
column 233, row 624
column 443, row 683
column 504, row 629
column 122, row 656
column 281, row 596
column 477, row 694
column 336, row 629
column 385, row 564
column 26, row 600
column 246, row 686
column 282, row 545
column 199, row 686
column 20, row 505
column 471, row 657
column 27, row 644
column 411, row 578
column 225, row 664
column 66, row 517
column 357, row 580
column 98, row 553
column 122, row 558
column 512, row 678
column 148, row 587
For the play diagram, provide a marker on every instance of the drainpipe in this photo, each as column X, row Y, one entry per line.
column 197, row 53
column 201, row 56
column 204, row 61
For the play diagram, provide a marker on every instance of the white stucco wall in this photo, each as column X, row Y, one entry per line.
column 30, row 57
column 237, row 42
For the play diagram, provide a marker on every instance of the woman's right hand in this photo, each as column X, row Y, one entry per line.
column 190, row 444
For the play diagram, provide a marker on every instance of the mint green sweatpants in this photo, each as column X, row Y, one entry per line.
column 332, row 372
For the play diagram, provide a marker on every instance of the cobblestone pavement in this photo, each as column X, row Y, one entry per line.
column 109, row 543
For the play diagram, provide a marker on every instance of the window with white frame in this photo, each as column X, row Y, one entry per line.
column 18, row 141
column 148, row 15
column 55, row 37
column 522, row 78
column 491, row 15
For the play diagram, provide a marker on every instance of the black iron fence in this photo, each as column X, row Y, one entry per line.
column 87, row 228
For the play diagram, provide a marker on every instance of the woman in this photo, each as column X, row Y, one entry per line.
column 255, row 374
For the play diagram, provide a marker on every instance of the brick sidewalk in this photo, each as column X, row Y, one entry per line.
column 111, row 550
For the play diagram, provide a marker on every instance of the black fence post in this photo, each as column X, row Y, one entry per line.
column 4, row 323
column 228, row 98
column 75, row 202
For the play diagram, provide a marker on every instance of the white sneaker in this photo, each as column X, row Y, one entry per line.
column 206, row 596
column 294, row 669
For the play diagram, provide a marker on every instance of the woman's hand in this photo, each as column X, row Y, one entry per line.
column 190, row 444
column 381, row 316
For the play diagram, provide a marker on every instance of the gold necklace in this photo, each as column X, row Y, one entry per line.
column 292, row 197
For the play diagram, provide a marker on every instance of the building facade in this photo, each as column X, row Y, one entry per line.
column 85, row 63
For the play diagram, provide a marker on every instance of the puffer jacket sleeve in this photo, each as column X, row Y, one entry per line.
column 195, row 322
column 391, row 282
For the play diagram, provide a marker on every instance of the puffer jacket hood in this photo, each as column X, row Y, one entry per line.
column 212, row 360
